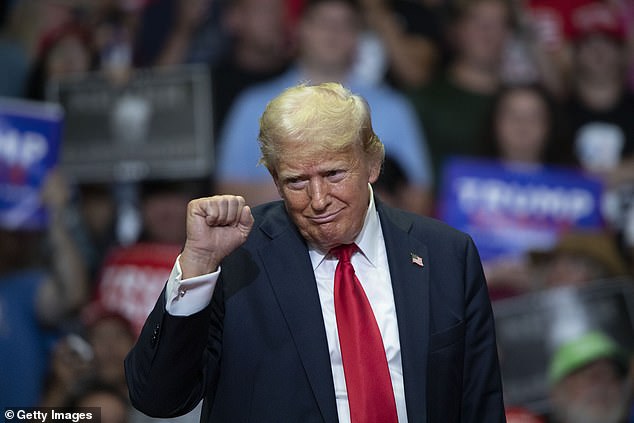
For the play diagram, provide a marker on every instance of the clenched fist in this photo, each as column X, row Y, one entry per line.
column 216, row 226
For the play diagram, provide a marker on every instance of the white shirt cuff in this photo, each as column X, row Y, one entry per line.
column 188, row 296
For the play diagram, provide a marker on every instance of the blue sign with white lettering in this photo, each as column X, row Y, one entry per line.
column 30, row 134
column 510, row 209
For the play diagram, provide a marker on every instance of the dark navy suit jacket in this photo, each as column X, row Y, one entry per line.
column 258, row 352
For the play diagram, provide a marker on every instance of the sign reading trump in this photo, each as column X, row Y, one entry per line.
column 29, row 143
column 509, row 209
column 133, row 277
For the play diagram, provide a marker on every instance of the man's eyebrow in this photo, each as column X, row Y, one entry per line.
column 291, row 175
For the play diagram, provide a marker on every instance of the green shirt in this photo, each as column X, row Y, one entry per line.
column 453, row 117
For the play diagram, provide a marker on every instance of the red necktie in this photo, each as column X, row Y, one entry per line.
column 368, row 382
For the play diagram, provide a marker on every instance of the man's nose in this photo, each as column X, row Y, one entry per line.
column 319, row 194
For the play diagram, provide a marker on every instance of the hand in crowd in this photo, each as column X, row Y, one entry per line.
column 56, row 192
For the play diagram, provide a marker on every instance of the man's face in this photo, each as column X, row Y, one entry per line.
column 483, row 32
column 326, row 194
column 261, row 24
column 593, row 394
column 522, row 125
column 111, row 340
column 163, row 216
column 599, row 56
column 328, row 35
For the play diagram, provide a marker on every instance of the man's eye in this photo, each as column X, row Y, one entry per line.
column 295, row 183
column 335, row 175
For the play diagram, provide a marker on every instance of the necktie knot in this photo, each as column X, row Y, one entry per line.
column 344, row 252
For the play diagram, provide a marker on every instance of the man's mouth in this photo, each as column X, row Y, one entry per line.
column 325, row 218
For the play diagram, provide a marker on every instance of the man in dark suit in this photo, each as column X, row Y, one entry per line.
column 262, row 313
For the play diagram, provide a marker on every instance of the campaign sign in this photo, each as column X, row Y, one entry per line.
column 132, row 279
column 530, row 328
column 30, row 135
column 509, row 209
column 155, row 125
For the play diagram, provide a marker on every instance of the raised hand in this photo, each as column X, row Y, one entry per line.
column 216, row 226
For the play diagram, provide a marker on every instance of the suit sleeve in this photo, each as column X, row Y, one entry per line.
column 175, row 361
column 482, row 387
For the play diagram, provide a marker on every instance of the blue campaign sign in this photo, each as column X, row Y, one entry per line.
column 30, row 134
column 509, row 209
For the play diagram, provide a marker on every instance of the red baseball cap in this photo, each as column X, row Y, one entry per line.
column 598, row 18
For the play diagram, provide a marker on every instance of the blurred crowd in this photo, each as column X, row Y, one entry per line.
column 527, row 84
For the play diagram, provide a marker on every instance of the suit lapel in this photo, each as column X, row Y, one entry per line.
column 293, row 281
column 410, row 282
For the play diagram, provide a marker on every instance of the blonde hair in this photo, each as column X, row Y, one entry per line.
column 317, row 118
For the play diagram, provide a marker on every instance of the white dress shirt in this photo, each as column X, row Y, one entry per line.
column 188, row 296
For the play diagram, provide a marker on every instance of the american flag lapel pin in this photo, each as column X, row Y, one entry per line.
column 416, row 259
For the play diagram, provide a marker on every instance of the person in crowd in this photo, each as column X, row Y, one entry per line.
column 600, row 106
column 544, row 33
column 626, row 10
column 186, row 21
column 43, row 282
column 522, row 127
column 28, row 22
column 13, row 54
column 259, row 299
column 95, row 396
column 588, row 379
column 63, row 51
column 110, row 336
column 113, row 28
column 391, row 187
column 261, row 48
column 131, row 276
column 71, row 361
column 409, row 36
column 464, row 91
column 521, row 134
column 96, row 216
column 162, row 212
column 327, row 39
column 598, row 112
column 550, row 29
